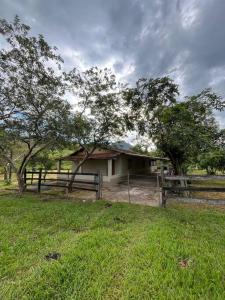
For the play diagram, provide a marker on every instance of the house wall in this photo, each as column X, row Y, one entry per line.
column 93, row 166
column 135, row 165
column 118, row 170
column 122, row 164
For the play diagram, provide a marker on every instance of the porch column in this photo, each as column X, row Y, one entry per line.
column 109, row 168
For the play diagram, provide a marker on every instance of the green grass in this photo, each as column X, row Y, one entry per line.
column 121, row 252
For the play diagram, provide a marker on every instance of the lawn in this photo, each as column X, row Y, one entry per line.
column 109, row 252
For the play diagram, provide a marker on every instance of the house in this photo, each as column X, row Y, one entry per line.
column 114, row 163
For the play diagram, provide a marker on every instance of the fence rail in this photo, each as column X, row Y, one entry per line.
column 93, row 184
column 185, row 184
column 194, row 189
column 195, row 177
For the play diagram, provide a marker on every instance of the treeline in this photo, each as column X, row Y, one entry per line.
column 36, row 116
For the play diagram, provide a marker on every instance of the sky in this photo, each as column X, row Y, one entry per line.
column 183, row 39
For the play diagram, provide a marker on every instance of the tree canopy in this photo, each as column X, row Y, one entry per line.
column 180, row 130
column 99, row 118
column 32, row 109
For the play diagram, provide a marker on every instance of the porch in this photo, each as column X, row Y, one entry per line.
column 115, row 170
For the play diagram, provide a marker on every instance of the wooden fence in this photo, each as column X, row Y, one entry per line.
column 178, row 184
column 41, row 179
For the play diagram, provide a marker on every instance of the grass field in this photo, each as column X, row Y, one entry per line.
column 109, row 252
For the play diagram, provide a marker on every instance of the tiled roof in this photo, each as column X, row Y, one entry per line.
column 114, row 152
column 92, row 156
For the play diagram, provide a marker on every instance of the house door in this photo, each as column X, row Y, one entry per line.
column 113, row 167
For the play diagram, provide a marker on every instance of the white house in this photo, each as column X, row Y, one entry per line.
column 114, row 164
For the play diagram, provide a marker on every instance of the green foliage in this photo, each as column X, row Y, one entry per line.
column 99, row 118
column 212, row 161
column 145, row 100
column 143, row 149
column 48, row 159
column 121, row 252
column 180, row 130
column 185, row 130
column 140, row 149
column 32, row 110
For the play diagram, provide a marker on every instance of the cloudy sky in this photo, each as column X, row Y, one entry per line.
column 184, row 39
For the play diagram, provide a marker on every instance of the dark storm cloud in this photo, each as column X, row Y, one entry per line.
column 184, row 39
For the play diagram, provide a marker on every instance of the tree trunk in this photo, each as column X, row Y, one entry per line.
column 10, row 167
column 175, row 165
column 20, row 180
column 75, row 172
column 5, row 174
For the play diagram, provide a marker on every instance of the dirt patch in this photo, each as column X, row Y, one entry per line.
column 53, row 256
column 108, row 205
column 184, row 263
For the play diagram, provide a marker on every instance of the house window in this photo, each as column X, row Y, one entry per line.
column 113, row 167
column 153, row 163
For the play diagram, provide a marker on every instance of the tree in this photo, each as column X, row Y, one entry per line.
column 99, row 119
column 187, row 131
column 32, row 110
column 180, row 130
column 212, row 161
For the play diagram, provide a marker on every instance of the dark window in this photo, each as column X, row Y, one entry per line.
column 129, row 164
column 113, row 167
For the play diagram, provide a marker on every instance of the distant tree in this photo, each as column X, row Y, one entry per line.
column 99, row 118
column 140, row 149
column 212, row 161
column 42, row 160
column 220, row 142
column 180, row 130
column 32, row 111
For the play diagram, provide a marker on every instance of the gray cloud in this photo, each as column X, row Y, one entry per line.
column 184, row 39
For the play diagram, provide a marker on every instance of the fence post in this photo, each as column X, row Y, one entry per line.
column 162, row 186
column 157, row 181
column 39, row 180
column 96, row 183
column 163, row 198
column 128, row 185
column 162, row 175
column 100, row 185
column 32, row 175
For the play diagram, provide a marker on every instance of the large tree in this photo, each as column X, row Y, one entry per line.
column 181, row 130
column 99, row 117
column 32, row 110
